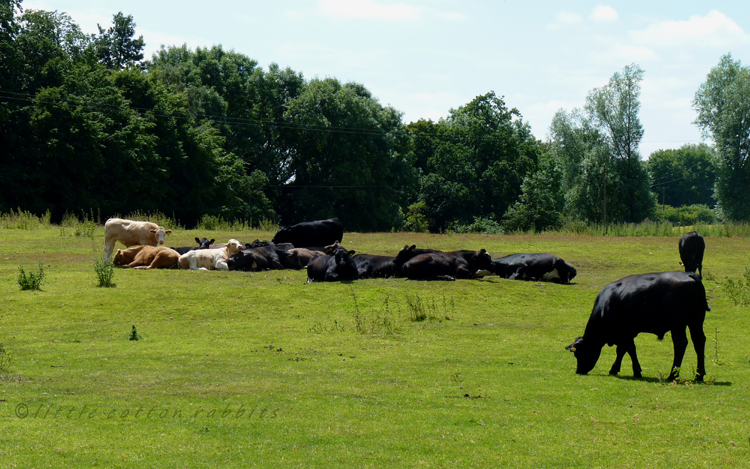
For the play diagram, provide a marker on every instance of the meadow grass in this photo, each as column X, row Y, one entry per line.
column 239, row 369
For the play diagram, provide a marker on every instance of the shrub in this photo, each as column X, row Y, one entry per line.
column 31, row 280
column 480, row 225
column 739, row 289
column 105, row 271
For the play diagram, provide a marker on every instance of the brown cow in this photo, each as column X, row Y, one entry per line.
column 305, row 255
column 147, row 257
column 131, row 233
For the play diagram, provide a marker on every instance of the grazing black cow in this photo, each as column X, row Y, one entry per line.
column 202, row 244
column 692, row 247
column 547, row 267
column 653, row 303
column 311, row 233
column 372, row 266
column 268, row 257
column 337, row 267
column 446, row 265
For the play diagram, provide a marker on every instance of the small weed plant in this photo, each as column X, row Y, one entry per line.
column 31, row 280
column 134, row 334
column 105, row 271
column 5, row 359
column 429, row 310
column 379, row 323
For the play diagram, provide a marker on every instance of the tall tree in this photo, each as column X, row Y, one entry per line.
column 117, row 47
column 598, row 152
column 723, row 106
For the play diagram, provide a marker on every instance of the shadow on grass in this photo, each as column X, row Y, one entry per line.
column 678, row 381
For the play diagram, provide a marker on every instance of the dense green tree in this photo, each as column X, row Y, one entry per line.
column 473, row 162
column 685, row 176
column 723, row 106
column 347, row 157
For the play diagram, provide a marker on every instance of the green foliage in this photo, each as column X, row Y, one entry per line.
column 474, row 162
column 377, row 322
column 415, row 220
column 134, row 334
column 480, row 225
column 686, row 215
column 23, row 220
column 116, row 47
column 421, row 310
column 105, row 272
column 723, row 106
column 31, row 280
column 685, row 176
column 738, row 289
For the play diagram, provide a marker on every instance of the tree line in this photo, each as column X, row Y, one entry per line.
column 86, row 124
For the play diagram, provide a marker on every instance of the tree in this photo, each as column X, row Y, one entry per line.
column 473, row 162
column 597, row 149
column 685, row 176
column 723, row 106
column 117, row 47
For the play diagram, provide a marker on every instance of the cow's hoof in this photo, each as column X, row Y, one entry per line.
column 613, row 372
column 699, row 378
column 637, row 375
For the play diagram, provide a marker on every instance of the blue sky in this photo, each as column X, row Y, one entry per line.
column 425, row 58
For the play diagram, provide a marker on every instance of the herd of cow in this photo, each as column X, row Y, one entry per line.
column 654, row 303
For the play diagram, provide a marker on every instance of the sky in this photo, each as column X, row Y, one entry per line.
column 426, row 57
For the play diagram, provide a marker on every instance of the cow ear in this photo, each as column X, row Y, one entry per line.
column 351, row 253
column 152, row 231
column 197, row 240
column 212, row 241
column 412, row 247
column 167, row 231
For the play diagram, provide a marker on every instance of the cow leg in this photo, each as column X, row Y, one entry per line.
column 109, row 246
column 679, row 340
column 222, row 265
column 699, row 343
column 618, row 361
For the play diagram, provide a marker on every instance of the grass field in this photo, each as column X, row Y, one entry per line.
column 238, row 369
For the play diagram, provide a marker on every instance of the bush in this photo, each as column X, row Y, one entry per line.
column 480, row 225
column 105, row 271
column 686, row 215
column 32, row 280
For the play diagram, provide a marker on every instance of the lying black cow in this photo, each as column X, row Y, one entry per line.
column 446, row 265
column 654, row 303
column 311, row 233
column 269, row 257
column 405, row 254
column 547, row 267
column 372, row 266
column 692, row 247
column 337, row 267
column 202, row 244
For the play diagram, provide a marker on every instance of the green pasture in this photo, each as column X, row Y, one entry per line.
column 238, row 369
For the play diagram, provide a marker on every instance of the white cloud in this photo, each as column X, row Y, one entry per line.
column 367, row 9
column 713, row 30
column 569, row 18
column 604, row 13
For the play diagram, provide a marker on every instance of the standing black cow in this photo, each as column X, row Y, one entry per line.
column 654, row 303
column 446, row 265
column 692, row 247
column 337, row 267
column 547, row 267
column 311, row 233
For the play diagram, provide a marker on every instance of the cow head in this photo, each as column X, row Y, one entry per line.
column 586, row 355
column 234, row 246
column 160, row 233
column 282, row 235
column 243, row 260
column 481, row 260
column 204, row 243
column 119, row 258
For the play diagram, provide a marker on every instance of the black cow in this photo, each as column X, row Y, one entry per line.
column 547, row 267
column 337, row 267
column 311, row 233
column 372, row 266
column 263, row 258
column 202, row 244
column 654, row 303
column 446, row 265
column 691, row 252
column 404, row 255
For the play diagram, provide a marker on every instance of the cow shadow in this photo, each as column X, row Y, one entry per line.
column 679, row 381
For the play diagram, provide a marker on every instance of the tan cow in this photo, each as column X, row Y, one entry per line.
column 207, row 259
column 147, row 257
column 131, row 233
column 306, row 254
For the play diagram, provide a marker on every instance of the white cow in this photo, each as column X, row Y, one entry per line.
column 131, row 233
column 205, row 259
